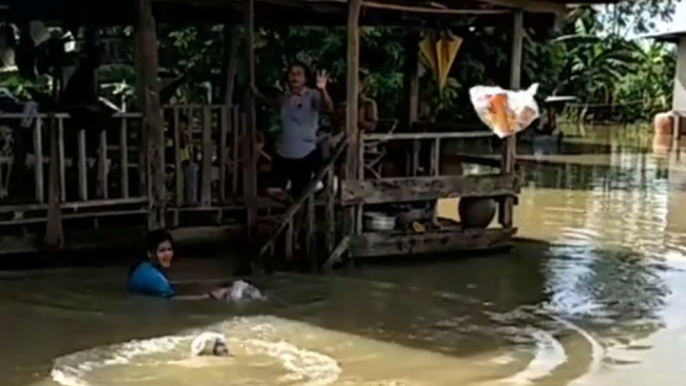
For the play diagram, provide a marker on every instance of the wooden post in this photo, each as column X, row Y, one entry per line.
column 206, row 166
column 330, row 214
column 38, row 151
column 435, row 166
column 82, row 165
column 351, row 110
column 102, row 163
column 124, row 157
column 288, row 253
column 411, row 80
column 411, row 97
column 249, row 165
column 178, row 166
column 146, row 39
column 510, row 144
column 310, row 244
column 61, row 156
column 224, row 116
column 230, row 62
column 230, row 67
column 236, row 135
column 54, row 237
column 517, row 47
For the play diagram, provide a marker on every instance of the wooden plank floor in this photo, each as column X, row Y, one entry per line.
column 375, row 244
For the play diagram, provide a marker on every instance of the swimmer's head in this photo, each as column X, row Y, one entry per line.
column 210, row 344
column 160, row 248
column 220, row 348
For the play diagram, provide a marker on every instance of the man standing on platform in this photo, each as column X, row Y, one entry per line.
column 298, row 157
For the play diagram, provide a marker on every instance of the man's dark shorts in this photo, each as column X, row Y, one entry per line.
column 299, row 171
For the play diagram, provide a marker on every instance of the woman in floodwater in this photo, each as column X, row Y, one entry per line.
column 148, row 276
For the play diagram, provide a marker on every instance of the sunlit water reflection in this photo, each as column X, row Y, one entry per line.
column 594, row 294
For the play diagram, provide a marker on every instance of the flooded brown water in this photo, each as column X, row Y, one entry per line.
column 593, row 294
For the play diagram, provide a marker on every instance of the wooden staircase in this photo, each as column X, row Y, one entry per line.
column 303, row 215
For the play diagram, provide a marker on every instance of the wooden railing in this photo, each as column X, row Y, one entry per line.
column 421, row 184
column 211, row 180
column 306, row 201
column 417, row 138
column 214, row 130
column 106, row 168
column 90, row 189
column 425, row 181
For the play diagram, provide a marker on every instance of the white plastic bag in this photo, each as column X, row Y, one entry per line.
column 242, row 291
column 505, row 112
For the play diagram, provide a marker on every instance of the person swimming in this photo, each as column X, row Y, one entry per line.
column 148, row 276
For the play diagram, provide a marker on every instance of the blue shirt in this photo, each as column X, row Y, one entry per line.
column 147, row 279
column 300, row 122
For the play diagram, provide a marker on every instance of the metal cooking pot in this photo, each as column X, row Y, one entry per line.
column 379, row 222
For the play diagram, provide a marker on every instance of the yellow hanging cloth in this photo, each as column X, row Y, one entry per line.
column 427, row 48
column 440, row 61
column 440, row 53
column 450, row 46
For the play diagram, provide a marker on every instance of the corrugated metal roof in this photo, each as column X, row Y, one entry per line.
column 669, row 36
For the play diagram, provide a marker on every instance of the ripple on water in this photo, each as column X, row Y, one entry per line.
column 164, row 360
column 264, row 358
column 549, row 355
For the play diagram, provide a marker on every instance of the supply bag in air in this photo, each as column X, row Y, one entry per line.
column 505, row 112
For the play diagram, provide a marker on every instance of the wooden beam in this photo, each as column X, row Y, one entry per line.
column 434, row 127
column 425, row 136
column 154, row 127
column 478, row 159
column 539, row 6
column 430, row 7
column 440, row 11
column 407, row 189
column 389, row 244
column 337, row 254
